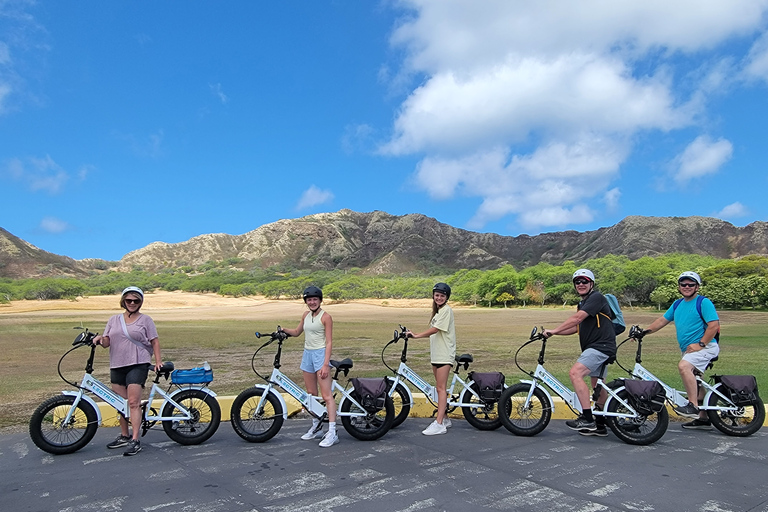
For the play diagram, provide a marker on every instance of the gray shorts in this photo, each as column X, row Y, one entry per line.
column 594, row 359
column 312, row 360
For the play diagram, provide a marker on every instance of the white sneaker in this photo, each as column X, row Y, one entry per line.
column 447, row 422
column 330, row 439
column 314, row 432
column 434, row 429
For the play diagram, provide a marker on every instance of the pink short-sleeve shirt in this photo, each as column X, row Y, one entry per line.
column 124, row 352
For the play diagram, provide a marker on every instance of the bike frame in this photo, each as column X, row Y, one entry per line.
column 541, row 375
column 120, row 404
column 679, row 398
column 311, row 403
column 406, row 374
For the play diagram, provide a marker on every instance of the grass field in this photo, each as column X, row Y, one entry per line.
column 194, row 328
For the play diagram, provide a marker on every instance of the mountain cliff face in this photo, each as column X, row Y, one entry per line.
column 19, row 259
column 383, row 243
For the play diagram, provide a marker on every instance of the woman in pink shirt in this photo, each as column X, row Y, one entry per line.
column 132, row 340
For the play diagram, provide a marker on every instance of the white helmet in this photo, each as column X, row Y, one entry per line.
column 583, row 272
column 693, row 276
column 134, row 289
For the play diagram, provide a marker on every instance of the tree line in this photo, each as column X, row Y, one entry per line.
column 647, row 281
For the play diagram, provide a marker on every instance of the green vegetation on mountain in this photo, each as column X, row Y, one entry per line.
column 647, row 281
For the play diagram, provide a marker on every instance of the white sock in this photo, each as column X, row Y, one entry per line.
column 332, row 426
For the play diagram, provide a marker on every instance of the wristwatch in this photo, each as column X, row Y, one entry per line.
column 702, row 344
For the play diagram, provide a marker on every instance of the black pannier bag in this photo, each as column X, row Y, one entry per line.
column 370, row 392
column 490, row 385
column 741, row 389
column 646, row 396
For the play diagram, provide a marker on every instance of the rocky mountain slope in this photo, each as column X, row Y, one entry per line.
column 383, row 243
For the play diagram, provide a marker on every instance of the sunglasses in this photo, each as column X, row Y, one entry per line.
column 133, row 301
column 581, row 281
column 687, row 285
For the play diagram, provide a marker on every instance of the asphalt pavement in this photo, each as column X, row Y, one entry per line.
column 464, row 470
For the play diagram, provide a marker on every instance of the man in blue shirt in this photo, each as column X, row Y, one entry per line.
column 697, row 324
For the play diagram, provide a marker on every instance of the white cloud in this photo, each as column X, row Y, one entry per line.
column 219, row 93
column 612, row 198
column 732, row 211
column 533, row 106
column 313, row 196
column 701, row 157
column 38, row 174
column 53, row 225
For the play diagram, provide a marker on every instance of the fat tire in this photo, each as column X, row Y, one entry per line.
column 485, row 418
column 641, row 431
column 253, row 427
column 401, row 403
column 370, row 427
column 747, row 420
column 206, row 417
column 58, row 439
column 524, row 422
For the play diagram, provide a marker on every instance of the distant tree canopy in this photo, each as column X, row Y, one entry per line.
column 648, row 281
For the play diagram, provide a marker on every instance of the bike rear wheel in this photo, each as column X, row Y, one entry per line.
column 641, row 430
column 740, row 423
column 49, row 432
column 254, row 424
column 205, row 412
column 401, row 403
column 522, row 419
column 371, row 425
column 482, row 418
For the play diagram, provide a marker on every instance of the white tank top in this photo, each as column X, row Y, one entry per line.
column 314, row 331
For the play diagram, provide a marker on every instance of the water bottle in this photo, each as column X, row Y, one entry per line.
column 206, row 366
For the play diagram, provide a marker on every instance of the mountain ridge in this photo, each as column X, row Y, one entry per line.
column 378, row 243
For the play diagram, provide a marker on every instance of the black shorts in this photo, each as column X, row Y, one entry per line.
column 132, row 374
column 440, row 365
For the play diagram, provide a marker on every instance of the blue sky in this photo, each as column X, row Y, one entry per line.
column 124, row 123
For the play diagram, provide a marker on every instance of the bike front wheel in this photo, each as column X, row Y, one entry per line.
column 520, row 418
column 205, row 412
column 52, row 434
column 369, row 425
column 253, row 423
column 743, row 422
column 401, row 403
column 640, row 430
column 482, row 415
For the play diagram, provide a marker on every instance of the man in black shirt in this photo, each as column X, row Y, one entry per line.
column 597, row 337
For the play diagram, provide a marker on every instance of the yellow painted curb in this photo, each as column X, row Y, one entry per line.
column 421, row 409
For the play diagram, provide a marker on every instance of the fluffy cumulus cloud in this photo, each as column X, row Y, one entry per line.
column 312, row 197
column 732, row 211
column 701, row 157
column 533, row 107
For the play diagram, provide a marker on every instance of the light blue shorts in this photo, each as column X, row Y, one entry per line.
column 594, row 359
column 312, row 360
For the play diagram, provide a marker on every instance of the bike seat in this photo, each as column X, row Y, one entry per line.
column 167, row 367
column 711, row 363
column 342, row 365
column 464, row 358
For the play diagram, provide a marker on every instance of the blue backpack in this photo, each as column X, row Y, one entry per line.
column 699, row 300
column 618, row 318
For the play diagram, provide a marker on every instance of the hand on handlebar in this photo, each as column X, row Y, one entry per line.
column 547, row 333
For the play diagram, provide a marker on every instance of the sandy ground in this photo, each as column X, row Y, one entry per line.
column 177, row 305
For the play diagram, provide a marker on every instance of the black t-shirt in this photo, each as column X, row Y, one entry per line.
column 596, row 331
